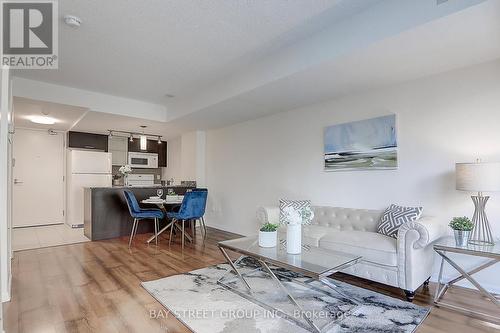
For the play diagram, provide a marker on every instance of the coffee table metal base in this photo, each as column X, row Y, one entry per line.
column 310, row 326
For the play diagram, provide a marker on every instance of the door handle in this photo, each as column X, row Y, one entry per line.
column 16, row 181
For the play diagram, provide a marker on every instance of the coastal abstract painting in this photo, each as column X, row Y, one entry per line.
column 361, row 145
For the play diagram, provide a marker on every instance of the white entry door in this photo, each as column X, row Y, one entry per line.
column 38, row 194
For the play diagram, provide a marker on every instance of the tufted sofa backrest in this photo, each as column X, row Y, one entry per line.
column 346, row 218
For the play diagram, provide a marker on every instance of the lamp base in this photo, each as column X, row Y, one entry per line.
column 481, row 233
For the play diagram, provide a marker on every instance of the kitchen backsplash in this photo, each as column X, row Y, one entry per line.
column 156, row 172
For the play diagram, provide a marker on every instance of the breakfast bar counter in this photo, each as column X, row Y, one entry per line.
column 106, row 214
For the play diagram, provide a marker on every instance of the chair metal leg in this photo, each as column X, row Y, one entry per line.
column 204, row 226
column 183, row 234
column 193, row 226
column 171, row 231
column 134, row 229
column 156, row 231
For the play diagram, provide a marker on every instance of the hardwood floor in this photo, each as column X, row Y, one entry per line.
column 95, row 287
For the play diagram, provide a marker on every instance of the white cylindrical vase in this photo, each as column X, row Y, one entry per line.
column 267, row 238
column 294, row 238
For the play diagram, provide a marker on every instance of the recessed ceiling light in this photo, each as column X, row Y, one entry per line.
column 46, row 120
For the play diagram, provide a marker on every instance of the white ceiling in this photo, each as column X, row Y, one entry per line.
column 218, row 57
column 441, row 45
column 66, row 115
column 99, row 122
column 146, row 49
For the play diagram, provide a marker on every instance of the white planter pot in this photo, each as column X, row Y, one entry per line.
column 294, row 238
column 268, row 238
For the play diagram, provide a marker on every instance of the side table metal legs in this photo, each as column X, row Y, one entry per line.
column 444, row 286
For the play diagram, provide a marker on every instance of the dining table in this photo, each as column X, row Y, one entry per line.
column 165, row 205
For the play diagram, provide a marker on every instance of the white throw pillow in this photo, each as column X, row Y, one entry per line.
column 395, row 216
column 298, row 205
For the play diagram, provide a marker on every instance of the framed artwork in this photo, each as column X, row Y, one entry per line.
column 369, row 144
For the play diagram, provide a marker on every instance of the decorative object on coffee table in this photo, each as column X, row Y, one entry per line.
column 479, row 177
column 489, row 253
column 294, row 218
column 462, row 227
column 268, row 235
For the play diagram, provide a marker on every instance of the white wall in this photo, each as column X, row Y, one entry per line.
column 452, row 117
column 173, row 169
column 186, row 158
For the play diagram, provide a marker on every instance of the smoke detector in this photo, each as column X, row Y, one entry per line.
column 72, row 21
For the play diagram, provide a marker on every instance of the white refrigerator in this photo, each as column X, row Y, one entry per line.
column 85, row 169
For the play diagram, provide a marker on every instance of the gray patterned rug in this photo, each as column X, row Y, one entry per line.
column 200, row 303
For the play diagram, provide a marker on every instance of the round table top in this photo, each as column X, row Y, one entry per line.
column 161, row 202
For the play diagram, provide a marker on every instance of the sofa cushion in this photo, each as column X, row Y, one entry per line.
column 395, row 216
column 372, row 246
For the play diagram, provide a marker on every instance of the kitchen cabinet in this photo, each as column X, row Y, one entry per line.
column 162, row 154
column 135, row 146
column 152, row 147
column 88, row 141
column 118, row 147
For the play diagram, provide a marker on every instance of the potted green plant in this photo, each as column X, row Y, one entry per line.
column 462, row 227
column 268, row 235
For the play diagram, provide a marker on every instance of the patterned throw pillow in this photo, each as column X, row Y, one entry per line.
column 395, row 216
column 296, row 204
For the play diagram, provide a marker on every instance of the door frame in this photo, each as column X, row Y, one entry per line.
column 6, row 120
column 64, row 154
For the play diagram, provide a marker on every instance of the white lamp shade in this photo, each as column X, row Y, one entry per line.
column 478, row 177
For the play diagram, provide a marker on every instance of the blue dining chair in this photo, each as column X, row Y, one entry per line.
column 192, row 208
column 139, row 213
column 202, row 218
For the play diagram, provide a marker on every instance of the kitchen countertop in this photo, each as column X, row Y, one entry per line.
column 150, row 186
column 106, row 213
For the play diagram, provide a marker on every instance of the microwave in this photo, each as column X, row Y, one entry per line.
column 143, row 160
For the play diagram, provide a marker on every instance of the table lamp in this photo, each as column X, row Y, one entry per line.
column 479, row 177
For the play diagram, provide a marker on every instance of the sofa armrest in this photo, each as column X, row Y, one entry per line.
column 268, row 215
column 428, row 229
column 415, row 251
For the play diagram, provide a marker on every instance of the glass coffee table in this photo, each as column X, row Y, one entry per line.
column 314, row 263
column 491, row 253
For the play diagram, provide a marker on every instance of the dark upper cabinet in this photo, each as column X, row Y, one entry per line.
column 135, row 146
column 162, row 154
column 87, row 141
column 152, row 147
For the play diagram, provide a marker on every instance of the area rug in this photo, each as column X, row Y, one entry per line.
column 204, row 306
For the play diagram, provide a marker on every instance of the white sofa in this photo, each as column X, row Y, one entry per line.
column 405, row 262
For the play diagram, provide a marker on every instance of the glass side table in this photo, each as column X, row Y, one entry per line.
column 447, row 245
